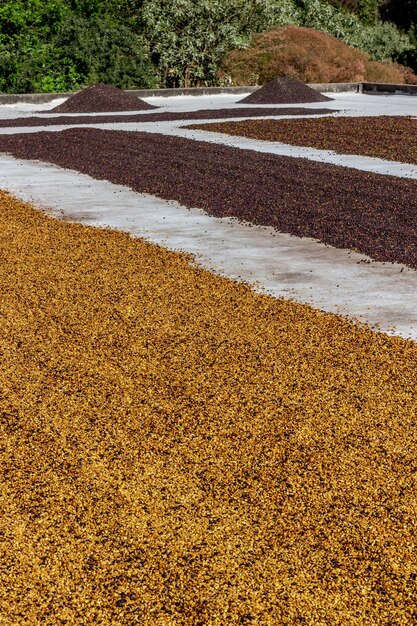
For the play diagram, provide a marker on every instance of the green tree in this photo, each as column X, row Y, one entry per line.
column 99, row 49
column 366, row 10
column 189, row 38
column 65, row 45
column 62, row 45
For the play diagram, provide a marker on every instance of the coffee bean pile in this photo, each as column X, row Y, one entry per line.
column 284, row 90
column 179, row 450
column 102, row 97
column 204, row 114
column 343, row 207
column 386, row 137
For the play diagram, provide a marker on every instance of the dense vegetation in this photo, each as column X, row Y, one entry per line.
column 310, row 56
column 62, row 45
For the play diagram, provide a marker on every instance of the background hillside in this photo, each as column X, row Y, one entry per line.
column 63, row 45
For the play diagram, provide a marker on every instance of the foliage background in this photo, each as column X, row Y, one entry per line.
column 63, row 45
column 310, row 56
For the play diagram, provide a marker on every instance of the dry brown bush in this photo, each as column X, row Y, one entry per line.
column 386, row 72
column 310, row 56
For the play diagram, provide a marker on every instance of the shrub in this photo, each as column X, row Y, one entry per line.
column 308, row 55
column 387, row 72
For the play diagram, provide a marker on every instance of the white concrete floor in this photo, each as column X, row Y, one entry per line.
column 360, row 104
column 352, row 104
column 383, row 295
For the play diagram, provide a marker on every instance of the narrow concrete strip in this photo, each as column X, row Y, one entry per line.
column 367, row 164
column 339, row 281
column 364, row 163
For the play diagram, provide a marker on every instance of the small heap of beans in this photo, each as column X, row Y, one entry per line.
column 284, row 90
column 102, row 97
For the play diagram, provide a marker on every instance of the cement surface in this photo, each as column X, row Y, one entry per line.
column 351, row 104
column 358, row 87
column 27, row 109
column 302, row 269
column 340, row 281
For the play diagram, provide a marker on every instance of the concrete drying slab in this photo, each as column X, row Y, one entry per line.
column 27, row 109
column 164, row 104
column 352, row 104
column 364, row 163
column 338, row 281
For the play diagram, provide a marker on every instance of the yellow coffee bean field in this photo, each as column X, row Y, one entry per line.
column 180, row 450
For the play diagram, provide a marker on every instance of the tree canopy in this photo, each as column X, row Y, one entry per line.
column 62, row 45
